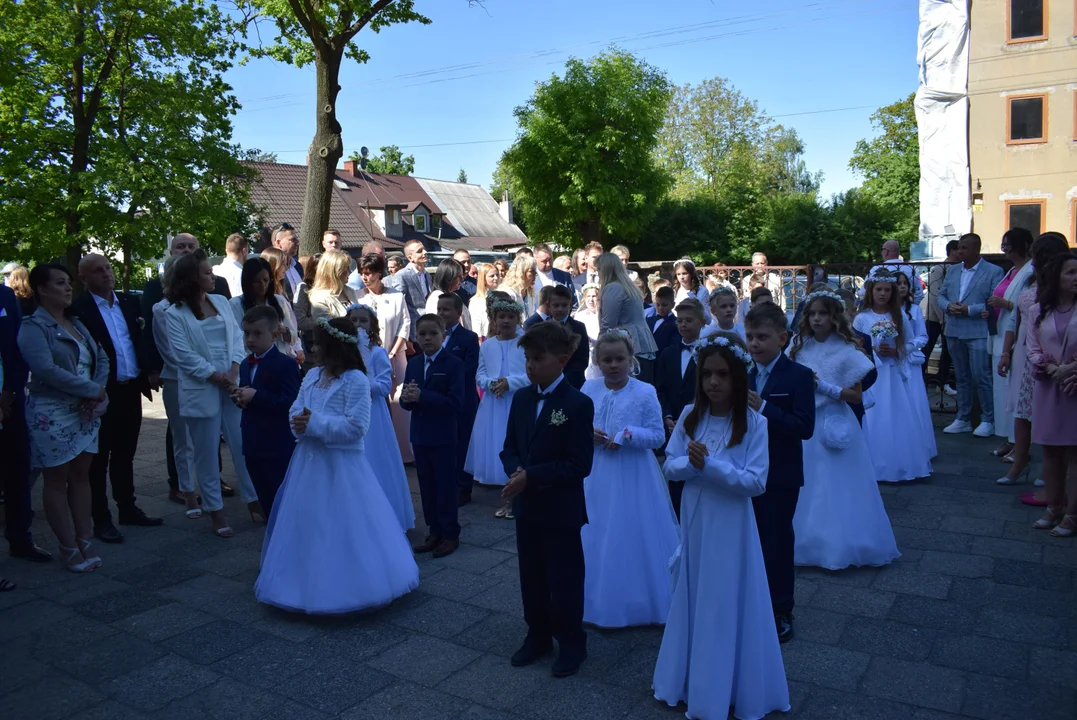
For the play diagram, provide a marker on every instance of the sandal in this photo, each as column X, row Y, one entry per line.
column 1002, row 450
column 94, row 560
column 6, row 585
column 1066, row 528
column 194, row 513
column 83, row 567
column 224, row 532
column 500, row 512
column 1050, row 519
column 258, row 515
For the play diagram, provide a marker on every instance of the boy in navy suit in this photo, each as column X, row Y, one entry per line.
column 268, row 385
column 464, row 345
column 434, row 393
column 784, row 393
column 675, row 376
column 548, row 452
column 663, row 324
column 542, row 312
column 559, row 305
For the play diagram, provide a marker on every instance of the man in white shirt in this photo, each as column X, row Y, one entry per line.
column 285, row 240
column 589, row 276
column 115, row 323
column 892, row 256
column 771, row 281
column 236, row 249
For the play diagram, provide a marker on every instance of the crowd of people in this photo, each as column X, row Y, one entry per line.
column 637, row 427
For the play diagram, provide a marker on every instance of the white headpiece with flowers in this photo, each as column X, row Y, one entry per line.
column 724, row 342
column 510, row 305
column 881, row 274
column 821, row 294
column 361, row 339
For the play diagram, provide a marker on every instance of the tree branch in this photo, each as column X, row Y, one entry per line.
column 364, row 19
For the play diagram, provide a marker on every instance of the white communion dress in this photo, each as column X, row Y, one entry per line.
column 382, row 449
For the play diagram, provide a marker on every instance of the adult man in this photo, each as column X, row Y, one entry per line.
column 115, row 324
column 153, row 293
column 236, row 249
column 935, row 317
column 622, row 252
column 892, row 256
column 548, row 275
column 414, row 281
column 964, row 298
column 589, row 272
column 467, row 286
column 331, row 240
column 14, row 437
column 771, row 281
column 285, row 240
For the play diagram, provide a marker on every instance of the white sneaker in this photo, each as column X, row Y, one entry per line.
column 1038, row 482
column 985, row 429
column 949, row 390
column 958, row 426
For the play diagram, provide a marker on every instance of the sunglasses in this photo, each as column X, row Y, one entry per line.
column 285, row 226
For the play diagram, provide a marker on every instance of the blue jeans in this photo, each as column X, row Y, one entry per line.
column 972, row 366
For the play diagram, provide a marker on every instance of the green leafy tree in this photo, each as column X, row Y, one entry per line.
column 583, row 164
column 390, row 162
column 890, row 165
column 116, row 127
column 462, row 177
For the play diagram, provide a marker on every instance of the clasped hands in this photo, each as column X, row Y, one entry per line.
column 603, row 440
column 1065, row 376
column 499, row 387
column 410, row 392
column 516, row 485
column 299, row 422
column 88, row 405
column 697, row 454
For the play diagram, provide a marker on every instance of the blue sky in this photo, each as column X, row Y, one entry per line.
column 457, row 81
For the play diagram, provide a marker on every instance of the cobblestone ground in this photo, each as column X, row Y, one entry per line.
column 977, row 619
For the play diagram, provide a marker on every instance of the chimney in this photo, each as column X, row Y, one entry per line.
column 505, row 208
column 351, row 167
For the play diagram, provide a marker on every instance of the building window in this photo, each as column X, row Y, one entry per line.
column 1026, row 21
column 435, row 221
column 394, row 216
column 1027, row 214
column 420, row 223
column 1026, row 119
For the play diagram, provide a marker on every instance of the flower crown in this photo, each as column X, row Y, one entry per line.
column 881, row 274
column 510, row 305
column 821, row 294
column 719, row 341
column 360, row 338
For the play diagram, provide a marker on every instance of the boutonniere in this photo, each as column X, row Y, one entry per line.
column 558, row 418
column 141, row 323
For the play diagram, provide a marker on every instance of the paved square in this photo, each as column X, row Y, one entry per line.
column 977, row 619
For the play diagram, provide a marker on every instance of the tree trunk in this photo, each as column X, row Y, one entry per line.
column 592, row 230
column 324, row 152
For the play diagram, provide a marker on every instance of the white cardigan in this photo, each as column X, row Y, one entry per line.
column 490, row 369
column 344, row 419
column 197, row 396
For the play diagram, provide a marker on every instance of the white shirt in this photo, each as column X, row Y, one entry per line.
column 294, row 280
column 661, row 319
column 231, row 271
column 550, row 389
column 126, row 360
column 448, row 334
column 967, row 274
column 686, row 355
column 254, row 368
column 428, row 361
column 545, row 279
column 761, row 378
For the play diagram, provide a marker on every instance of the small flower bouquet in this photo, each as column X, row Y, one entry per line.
column 884, row 332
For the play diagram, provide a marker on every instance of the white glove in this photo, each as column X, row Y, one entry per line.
column 831, row 391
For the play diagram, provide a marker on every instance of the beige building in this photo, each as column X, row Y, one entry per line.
column 1023, row 117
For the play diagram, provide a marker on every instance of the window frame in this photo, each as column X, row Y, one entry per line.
column 415, row 222
column 1009, row 119
column 1042, row 202
column 1010, row 40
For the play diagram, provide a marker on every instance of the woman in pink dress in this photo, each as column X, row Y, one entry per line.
column 1052, row 352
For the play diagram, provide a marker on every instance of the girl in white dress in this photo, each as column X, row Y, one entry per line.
column 915, row 339
column 382, row 451
column 688, row 285
column 488, row 279
column 840, row 518
column 720, row 647
column 893, row 431
column 631, row 529
column 502, row 371
column 723, row 309
column 588, row 315
column 333, row 544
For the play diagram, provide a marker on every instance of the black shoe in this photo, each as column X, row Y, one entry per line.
column 784, row 623
column 427, row 545
column 462, row 499
column 227, row 490
column 531, row 651
column 446, row 547
column 107, row 533
column 568, row 663
column 134, row 516
column 29, row 552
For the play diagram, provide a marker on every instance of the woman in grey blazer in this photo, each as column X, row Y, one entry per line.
column 621, row 306
column 65, row 400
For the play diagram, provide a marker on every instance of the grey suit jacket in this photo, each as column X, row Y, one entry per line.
column 980, row 287
column 53, row 357
column 408, row 282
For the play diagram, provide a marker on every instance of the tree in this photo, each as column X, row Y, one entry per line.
column 390, row 162
column 583, row 164
column 256, row 155
column 116, row 127
column 890, row 165
column 462, row 177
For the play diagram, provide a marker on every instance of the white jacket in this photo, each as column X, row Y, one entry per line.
column 197, row 396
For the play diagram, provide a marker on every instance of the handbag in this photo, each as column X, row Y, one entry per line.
column 838, row 426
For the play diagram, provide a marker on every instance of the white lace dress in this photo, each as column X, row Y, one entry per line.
column 334, row 544
column 631, row 529
column 916, row 339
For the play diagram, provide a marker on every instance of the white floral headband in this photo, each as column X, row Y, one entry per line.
column 719, row 341
column 821, row 294
column 879, row 274
column 509, row 305
column 360, row 339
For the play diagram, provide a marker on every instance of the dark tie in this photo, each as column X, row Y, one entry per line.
column 752, row 377
column 253, row 360
column 540, row 396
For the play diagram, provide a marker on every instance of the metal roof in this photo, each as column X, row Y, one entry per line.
column 471, row 210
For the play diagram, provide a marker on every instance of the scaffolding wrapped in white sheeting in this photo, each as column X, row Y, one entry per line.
column 942, row 114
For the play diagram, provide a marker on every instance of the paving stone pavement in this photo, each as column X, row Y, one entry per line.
column 977, row 619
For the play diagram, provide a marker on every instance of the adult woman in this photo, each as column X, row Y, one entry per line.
column 519, row 283
column 687, row 285
column 1052, row 352
column 447, row 279
column 579, row 257
column 330, row 295
column 207, row 346
column 304, row 318
column 488, row 279
column 19, row 282
column 563, row 262
column 622, row 307
column 588, row 315
column 1014, row 364
column 1016, row 244
column 65, row 396
column 394, row 322
column 502, row 266
column 259, row 288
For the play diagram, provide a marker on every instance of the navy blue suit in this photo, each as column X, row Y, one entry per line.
column 267, row 435
column 464, row 345
column 666, row 334
column 551, row 509
column 14, row 436
column 434, row 435
column 789, row 407
column 674, row 393
column 577, row 364
column 869, row 379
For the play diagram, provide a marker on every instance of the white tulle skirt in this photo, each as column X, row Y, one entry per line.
column 383, row 453
column 488, row 439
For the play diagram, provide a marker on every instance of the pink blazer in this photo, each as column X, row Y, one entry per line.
column 1046, row 345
